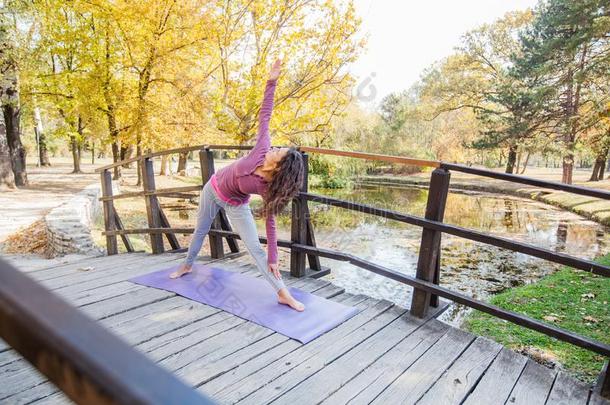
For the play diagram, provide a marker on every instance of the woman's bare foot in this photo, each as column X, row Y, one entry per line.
column 284, row 297
column 182, row 270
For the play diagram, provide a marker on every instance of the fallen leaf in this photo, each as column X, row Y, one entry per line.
column 588, row 296
column 551, row 318
column 590, row 319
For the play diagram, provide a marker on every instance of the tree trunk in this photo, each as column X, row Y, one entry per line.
column 567, row 168
column 527, row 159
column 600, row 164
column 7, row 178
column 43, row 152
column 76, row 147
column 75, row 155
column 512, row 158
column 595, row 171
column 126, row 153
column 163, row 171
column 17, row 151
column 182, row 161
column 115, row 158
column 139, row 165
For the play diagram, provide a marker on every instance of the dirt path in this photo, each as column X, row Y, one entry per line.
column 49, row 187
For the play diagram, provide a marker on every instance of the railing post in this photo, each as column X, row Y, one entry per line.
column 152, row 207
column 298, row 226
column 428, row 264
column 109, row 214
column 206, row 161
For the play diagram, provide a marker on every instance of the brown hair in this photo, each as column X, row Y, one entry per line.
column 286, row 182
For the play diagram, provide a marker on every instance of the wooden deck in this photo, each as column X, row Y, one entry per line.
column 382, row 355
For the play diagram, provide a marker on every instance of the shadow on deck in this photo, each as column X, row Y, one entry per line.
column 382, row 355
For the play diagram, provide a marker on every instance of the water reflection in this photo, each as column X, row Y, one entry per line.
column 473, row 268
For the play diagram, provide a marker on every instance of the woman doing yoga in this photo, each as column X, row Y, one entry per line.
column 274, row 173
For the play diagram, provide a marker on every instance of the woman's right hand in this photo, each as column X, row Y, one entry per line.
column 275, row 69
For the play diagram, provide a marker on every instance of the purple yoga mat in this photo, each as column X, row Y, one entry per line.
column 253, row 299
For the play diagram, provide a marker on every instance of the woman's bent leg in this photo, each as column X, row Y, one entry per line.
column 208, row 208
column 241, row 217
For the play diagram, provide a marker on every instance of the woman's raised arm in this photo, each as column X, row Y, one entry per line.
column 263, row 140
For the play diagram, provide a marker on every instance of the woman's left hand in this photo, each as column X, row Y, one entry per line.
column 275, row 69
column 275, row 269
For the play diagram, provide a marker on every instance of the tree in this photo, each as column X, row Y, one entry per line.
column 317, row 39
column 566, row 46
column 478, row 78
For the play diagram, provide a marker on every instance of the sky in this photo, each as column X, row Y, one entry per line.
column 407, row 36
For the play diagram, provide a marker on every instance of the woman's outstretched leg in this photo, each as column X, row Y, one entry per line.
column 241, row 217
column 208, row 208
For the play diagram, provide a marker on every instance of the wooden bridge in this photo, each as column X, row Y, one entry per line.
column 186, row 352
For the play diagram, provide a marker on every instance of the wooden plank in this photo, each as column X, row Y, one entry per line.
column 108, row 206
column 92, row 297
column 366, row 324
column 134, row 322
column 186, row 312
column 226, row 225
column 89, row 363
column 119, row 226
column 157, row 192
column 152, row 206
column 373, row 156
column 171, row 237
column 298, row 225
column 135, row 325
column 568, row 390
column 206, row 161
column 372, row 380
column 427, row 369
column 499, row 379
column 43, row 265
column 430, row 247
column 533, row 386
column 216, row 347
column 199, row 372
column 457, row 382
column 132, row 265
column 72, row 268
column 352, row 349
column 294, row 351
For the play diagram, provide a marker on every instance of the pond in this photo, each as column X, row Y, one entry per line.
column 475, row 269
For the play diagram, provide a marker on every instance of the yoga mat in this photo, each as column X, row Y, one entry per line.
column 253, row 299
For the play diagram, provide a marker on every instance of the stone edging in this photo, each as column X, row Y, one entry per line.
column 69, row 225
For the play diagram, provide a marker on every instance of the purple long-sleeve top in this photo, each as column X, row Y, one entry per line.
column 234, row 183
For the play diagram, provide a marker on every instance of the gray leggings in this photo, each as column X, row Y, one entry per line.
column 241, row 218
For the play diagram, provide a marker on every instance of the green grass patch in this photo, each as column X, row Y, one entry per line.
column 571, row 299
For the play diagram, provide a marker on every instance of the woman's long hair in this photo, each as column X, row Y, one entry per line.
column 286, row 182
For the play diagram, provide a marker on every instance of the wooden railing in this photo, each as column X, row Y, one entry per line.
column 303, row 247
column 87, row 362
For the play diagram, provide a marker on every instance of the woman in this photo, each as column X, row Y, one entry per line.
column 274, row 173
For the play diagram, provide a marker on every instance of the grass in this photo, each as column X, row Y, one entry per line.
column 571, row 299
